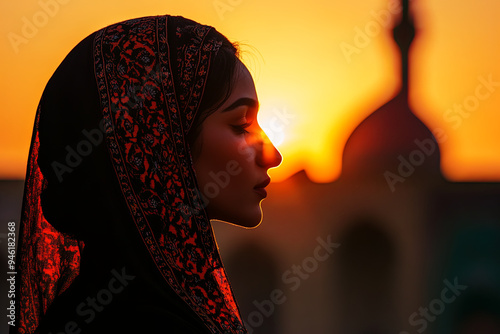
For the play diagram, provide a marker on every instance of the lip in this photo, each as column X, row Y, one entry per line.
column 262, row 192
column 260, row 188
column 264, row 183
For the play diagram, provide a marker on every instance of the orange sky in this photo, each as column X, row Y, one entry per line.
column 317, row 79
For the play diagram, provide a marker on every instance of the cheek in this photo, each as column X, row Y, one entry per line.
column 224, row 161
column 222, row 149
column 225, row 146
column 220, row 154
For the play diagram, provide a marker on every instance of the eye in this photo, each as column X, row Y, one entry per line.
column 241, row 128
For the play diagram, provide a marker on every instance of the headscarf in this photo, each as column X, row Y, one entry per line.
column 146, row 79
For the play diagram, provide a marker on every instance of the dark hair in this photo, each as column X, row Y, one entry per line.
column 220, row 81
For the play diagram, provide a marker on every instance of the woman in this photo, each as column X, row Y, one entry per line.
column 145, row 132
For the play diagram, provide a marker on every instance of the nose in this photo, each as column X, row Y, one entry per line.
column 268, row 155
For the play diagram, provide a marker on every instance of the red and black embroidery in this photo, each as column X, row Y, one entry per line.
column 150, row 91
column 49, row 260
column 150, row 74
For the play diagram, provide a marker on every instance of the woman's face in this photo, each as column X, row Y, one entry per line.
column 234, row 157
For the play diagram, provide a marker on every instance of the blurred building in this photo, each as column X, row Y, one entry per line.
column 417, row 253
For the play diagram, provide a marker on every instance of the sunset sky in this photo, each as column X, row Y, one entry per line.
column 320, row 68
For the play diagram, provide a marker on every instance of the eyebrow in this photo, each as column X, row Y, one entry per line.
column 244, row 101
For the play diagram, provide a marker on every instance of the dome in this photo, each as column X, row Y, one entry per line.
column 390, row 137
column 392, row 141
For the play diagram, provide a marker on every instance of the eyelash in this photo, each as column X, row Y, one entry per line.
column 241, row 129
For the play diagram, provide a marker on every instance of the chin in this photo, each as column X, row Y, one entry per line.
column 249, row 220
column 249, row 223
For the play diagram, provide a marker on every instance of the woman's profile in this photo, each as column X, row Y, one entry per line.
column 145, row 132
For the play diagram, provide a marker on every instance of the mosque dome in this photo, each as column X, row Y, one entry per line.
column 391, row 136
column 392, row 139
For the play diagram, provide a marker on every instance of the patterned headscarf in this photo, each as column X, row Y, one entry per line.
column 150, row 75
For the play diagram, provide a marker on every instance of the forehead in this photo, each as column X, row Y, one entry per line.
column 243, row 86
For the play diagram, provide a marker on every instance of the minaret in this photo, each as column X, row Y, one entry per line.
column 392, row 135
column 403, row 34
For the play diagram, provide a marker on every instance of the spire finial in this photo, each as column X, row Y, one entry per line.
column 404, row 32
